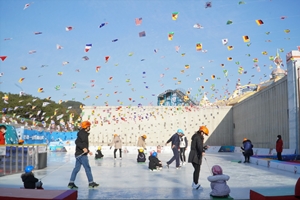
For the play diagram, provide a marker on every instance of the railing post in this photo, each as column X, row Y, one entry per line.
column 22, row 165
column 4, row 162
column 17, row 158
column 10, row 160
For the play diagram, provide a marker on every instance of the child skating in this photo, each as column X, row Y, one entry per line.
column 154, row 163
column 219, row 183
column 141, row 158
column 98, row 154
column 30, row 182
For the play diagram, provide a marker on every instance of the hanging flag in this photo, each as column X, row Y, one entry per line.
column 45, row 104
column 26, row 6
column 208, row 4
column 187, row 66
column 37, row 33
column 264, row 53
column 3, row 57
column 229, row 58
column 213, row 77
column 229, row 47
column 229, row 22
column 224, row 41
column 60, row 73
column 59, row 47
column 21, row 80
column 177, row 48
column 69, row 28
column 114, row 40
column 65, row 63
column 106, row 58
column 287, row 30
column 103, row 24
column 87, row 47
column 198, row 26
column 85, row 58
column 142, row 34
column 98, row 68
column 259, row 22
column 255, row 59
column 170, row 36
column 33, row 51
column 23, row 68
column 174, row 15
column 138, row 21
column 246, row 38
column 198, row 47
column 40, row 90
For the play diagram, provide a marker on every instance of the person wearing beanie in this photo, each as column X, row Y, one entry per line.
column 99, row 154
column 141, row 158
column 218, row 183
column 279, row 147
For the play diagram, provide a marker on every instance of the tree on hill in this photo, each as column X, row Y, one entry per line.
column 39, row 110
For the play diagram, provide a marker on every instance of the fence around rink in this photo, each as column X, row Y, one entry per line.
column 14, row 158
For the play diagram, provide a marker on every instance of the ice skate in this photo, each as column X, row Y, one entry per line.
column 167, row 165
column 120, row 158
column 179, row 167
column 93, row 185
column 72, row 186
column 196, row 186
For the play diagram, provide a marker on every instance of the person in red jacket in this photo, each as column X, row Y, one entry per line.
column 2, row 133
column 279, row 147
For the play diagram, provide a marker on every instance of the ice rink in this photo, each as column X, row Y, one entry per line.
column 126, row 179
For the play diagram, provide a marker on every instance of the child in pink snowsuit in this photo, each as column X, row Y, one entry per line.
column 218, row 182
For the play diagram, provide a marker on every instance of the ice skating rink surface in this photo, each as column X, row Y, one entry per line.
column 126, row 179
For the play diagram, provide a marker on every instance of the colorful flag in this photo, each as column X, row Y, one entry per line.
column 3, row 57
column 255, row 59
column 174, row 15
column 106, row 58
column 103, row 24
column 259, row 22
column 32, row 51
column 246, row 38
column 85, row 58
column 45, row 104
column 60, row 73
column 198, row 47
column 98, row 68
column 208, row 4
column 114, row 40
column 287, row 30
column 87, row 47
column 198, row 26
column 229, row 58
column 229, row 47
column 26, row 6
column 59, row 47
column 170, row 36
column 224, row 41
column 23, row 68
column 69, row 28
column 21, row 80
column 37, row 33
column 177, row 48
column 138, row 21
column 229, row 22
column 40, row 90
column 142, row 34
column 65, row 63
column 264, row 53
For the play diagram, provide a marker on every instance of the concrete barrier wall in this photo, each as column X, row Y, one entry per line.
column 263, row 116
column 158, row 123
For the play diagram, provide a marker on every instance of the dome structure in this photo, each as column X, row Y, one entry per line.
column 278, row 73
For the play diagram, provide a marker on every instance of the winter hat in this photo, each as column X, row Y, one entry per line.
column 279, row 136
column 217, row 170
column 245, row 139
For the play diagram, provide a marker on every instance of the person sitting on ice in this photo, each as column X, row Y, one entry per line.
column 99, row 154
column 30, row 182
column 141, row 156
column 154, row 163
column 218, row 182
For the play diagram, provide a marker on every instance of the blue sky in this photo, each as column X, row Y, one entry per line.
column 146, row 81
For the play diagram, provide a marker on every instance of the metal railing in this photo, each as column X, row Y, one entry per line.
column 14, row 158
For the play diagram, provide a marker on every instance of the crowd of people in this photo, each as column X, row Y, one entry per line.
column 179, row 144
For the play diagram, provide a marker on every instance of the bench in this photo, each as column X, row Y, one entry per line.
column 22, row 194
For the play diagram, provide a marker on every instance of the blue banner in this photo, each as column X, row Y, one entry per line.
column 43, row 137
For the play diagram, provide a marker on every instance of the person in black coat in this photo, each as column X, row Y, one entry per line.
column 154, row 163
column 195, row 156
column 99, row 154
column 141, row 158
column 248, row 149
column 30, row 182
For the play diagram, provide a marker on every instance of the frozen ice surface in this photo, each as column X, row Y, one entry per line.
column 126, row 179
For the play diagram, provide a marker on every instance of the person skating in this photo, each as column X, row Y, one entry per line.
column 29, row 180
column 218, row 183
column 141, row 158
column 183, row 146
column 117, row 142
column 154, row 162
column 175, row 146
column 99, row 154
column 279, row 147
column 248, row 149
column 197, row 150
column 81, row 151
column 142, row 142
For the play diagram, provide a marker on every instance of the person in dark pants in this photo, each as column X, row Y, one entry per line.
column 195, row 156
column 82, row 149
column 248, row 149
column 175, row 146
column 117, row 142
column 183, row 146
column 279, row 147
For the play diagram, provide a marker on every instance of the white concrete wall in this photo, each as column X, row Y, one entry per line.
column 158, row 123
column 263, row 116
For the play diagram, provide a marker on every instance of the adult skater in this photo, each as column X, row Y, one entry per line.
column 183, row 146
column 175, row 141
column 82, row 149
column 197, row 150
column 142, row 142
column 279, row 147
column 248, row 149
column 117, row 142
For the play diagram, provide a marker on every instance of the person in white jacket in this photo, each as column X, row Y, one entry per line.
column 218, row 183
